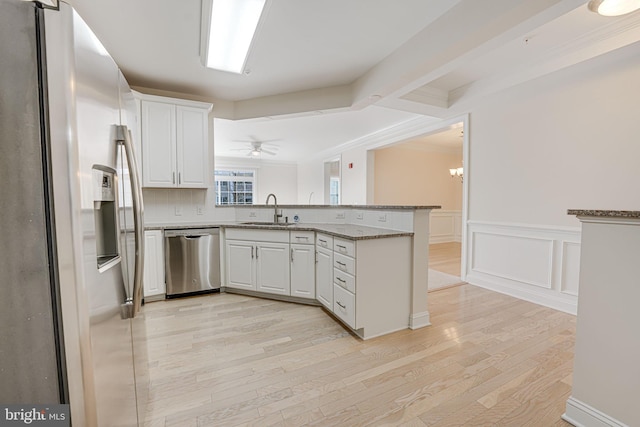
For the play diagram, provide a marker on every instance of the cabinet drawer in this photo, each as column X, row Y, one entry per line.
column 324, row 241
column 302, row 237
column 345, row 247
column 344, row 263
column 257, row 235
column 345, row 280
column 344, row 305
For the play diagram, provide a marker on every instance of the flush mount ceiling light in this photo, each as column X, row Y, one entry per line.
column 613, row 7
column 228, row 28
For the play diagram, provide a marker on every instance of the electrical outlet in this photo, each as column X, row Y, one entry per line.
column 200, row 210
column 178, row 210
column 360, row 216
column 253, row 214
column 382, row 218
column 340, row 215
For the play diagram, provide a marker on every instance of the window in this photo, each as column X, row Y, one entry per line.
column 334, row 191
column 234, row 187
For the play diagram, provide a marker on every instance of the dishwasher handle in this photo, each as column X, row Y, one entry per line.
column 194, row 236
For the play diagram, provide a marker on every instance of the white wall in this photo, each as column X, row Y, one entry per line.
column 311, row 180
column 354, row 179
column 410, row 176
column 280, row 178
column 567, row 140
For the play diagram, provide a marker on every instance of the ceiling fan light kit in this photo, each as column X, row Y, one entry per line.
column 256, row 148
column 613, row 7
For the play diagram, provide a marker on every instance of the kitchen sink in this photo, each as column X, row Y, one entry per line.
column 279, row 224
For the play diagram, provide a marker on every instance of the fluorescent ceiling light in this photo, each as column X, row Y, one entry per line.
column 614, row 7
column 232, row 25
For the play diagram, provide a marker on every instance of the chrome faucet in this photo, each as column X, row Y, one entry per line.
column 276, row 215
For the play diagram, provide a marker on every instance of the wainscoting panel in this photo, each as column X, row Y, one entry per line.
column 535, row 263
column 517, row 258
column 570, row 268
column 445, row 226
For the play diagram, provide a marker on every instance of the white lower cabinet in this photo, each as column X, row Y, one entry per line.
column 272, row 268
column 241, row 272
column 324, row 270
column 303, row 271
column 261, row 266
column 365, row 283
column 153, row 274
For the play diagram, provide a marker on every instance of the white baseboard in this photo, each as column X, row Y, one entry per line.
column 582, row 415
column 419, row 320
column 567, row 304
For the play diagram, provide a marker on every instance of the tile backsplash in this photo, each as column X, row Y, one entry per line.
column 185, row 206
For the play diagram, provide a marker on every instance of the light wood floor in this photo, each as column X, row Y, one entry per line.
column 231, row 360
column 445, row 257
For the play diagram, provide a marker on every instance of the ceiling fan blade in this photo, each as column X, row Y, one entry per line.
column 268, row 152
column 256, row 141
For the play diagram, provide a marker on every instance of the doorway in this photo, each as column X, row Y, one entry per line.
column 332, row 188
column 428, row 169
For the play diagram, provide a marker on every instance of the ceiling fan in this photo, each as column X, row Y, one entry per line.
column 256, row 147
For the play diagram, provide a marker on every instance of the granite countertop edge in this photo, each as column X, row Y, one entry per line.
column 604, row 213
column 330, row 229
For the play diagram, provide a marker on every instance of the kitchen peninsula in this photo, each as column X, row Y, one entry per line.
column 367, row 265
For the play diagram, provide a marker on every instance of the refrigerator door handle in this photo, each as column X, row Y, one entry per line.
column 134, row 302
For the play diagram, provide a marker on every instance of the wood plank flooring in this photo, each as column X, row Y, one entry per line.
column 445, row 257
column 232, row 360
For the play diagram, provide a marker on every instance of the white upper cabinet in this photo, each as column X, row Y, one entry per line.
column 158, row 144
column 175, row 142
column 192, row 146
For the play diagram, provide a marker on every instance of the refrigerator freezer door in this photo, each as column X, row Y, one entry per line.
column 29, row 368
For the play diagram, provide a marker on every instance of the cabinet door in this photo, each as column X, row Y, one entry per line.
column 324, row 277
column 303, row 269
column 240, row 265
column 153, row 274
column 272, row 264
column 158, row 144
column 193, row 147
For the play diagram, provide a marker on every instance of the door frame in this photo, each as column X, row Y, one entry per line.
column 433, row 128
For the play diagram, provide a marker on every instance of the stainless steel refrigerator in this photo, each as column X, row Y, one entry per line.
column 71, row 215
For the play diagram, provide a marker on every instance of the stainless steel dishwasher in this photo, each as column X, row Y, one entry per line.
column 192, row 261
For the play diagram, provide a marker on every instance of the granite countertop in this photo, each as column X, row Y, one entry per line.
column 604, row 214
column 347, row 231
column 385, row 207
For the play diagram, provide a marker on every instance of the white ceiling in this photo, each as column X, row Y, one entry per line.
column 318, row 67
